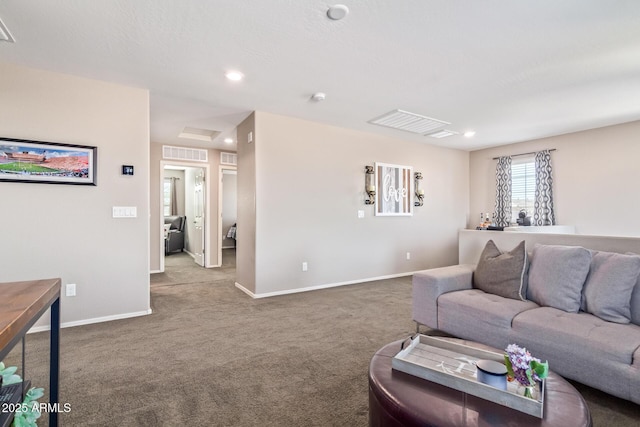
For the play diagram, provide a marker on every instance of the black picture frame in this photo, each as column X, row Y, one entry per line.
column 42, row 162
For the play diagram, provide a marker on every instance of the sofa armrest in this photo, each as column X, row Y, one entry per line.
column 428, row 285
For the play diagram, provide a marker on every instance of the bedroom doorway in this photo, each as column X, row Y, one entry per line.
column 185, row 194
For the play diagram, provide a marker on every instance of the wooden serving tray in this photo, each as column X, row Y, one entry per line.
column 453, row 364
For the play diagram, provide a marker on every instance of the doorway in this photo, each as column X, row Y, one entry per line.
column 185, row 194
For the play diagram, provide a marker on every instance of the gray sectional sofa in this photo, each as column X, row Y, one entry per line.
column 577, row 308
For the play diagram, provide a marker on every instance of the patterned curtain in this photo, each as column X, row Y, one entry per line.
column 502, row 212
column 174, row 197
column 543, row 212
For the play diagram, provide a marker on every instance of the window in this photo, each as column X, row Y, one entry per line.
column 523, row 186
column 167, row 197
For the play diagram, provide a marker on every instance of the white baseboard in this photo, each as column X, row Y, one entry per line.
column 155, row 271
column 245, row 290
column 318, row 287
column 91, row 321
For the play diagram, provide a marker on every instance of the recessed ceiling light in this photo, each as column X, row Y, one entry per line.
column 228, row 140
column 234, row 76
column 469, row 133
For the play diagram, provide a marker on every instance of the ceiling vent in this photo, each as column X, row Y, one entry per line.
column 5, row 35
column 410, row 122
column 442, row 133
column 228, row 158
column 198, row 134
column 183, row 153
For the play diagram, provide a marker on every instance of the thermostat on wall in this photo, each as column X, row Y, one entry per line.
column 127, row 170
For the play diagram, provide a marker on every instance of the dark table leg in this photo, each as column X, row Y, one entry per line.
column 54, row 361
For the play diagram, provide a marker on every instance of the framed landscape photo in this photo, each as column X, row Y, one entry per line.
column 394, row 196
column 42, row 162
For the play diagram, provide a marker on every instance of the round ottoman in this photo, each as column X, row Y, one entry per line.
column 400, row 399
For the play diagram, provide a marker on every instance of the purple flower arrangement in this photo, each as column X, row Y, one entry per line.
column 524, row 368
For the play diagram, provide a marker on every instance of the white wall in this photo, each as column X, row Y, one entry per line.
column 68, row 231
column 595, row 176
column 309, row 187
column 472, row 242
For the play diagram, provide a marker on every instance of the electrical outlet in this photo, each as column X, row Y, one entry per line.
column 304, row 266
column 408, row 255
column 71, row 290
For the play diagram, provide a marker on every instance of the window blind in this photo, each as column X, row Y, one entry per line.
column 523, row 186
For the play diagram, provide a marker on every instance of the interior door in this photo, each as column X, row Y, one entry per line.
column 198, row 218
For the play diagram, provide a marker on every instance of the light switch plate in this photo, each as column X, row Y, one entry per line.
column 125, row 212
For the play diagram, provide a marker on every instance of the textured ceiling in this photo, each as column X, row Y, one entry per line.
column 510, row 70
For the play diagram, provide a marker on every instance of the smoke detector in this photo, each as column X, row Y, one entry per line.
column 337, row 12
column 318, row 96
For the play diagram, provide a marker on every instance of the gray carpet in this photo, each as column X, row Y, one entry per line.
column 210, row 355
column 181, row 269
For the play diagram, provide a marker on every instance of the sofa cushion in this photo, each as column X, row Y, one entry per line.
column 479, row 316
column 557, row 275
column 502, row 273
column 582, row 347
column 574, row 337
column 607, row 290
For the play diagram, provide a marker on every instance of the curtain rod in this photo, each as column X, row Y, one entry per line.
column 523, row 154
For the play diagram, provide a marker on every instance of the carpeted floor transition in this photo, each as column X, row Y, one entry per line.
column 209, row 355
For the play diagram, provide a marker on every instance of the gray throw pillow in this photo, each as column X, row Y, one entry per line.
column 557, row 275
column 607, row 291
column 502, row 273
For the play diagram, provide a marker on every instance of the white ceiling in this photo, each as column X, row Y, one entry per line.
column 510, row 70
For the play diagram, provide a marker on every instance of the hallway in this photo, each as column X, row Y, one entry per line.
column 180, row 269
